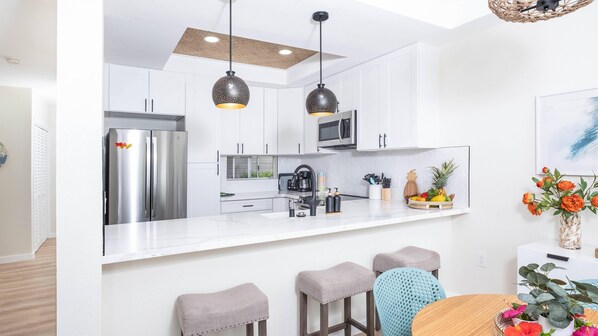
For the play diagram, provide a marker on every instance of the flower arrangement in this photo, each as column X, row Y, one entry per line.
column 559, row 302
column 562, row 195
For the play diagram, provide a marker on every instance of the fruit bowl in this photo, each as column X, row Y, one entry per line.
column 425, row 205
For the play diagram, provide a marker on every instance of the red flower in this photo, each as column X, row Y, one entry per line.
column 509, row 314
column 534, row 210
column 540, row 184
column 528, row 198
column 594, row 201
column 565, row 185
column 545, row 170
column 524, row 329
column 586, row 331
column 572, row 203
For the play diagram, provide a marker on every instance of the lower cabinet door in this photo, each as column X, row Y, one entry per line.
column 203, row 189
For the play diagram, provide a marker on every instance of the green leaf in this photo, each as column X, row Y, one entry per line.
column 558, row 290
column 582, row 183
column 544, row 297
column 557, row 174
column 527, row 298
column 542, row 279
column 577, row 309
column 558, row 212
column 535, row 180
column 547, row 267
column 559, row 282
column 523, row 271
column 532, row 267
column 580, row 298
column 558, row 323
column 532, row 277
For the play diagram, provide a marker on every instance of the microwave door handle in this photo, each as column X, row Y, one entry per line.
column 340, row 124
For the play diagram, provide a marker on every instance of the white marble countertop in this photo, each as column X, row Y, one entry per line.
column 127, row 242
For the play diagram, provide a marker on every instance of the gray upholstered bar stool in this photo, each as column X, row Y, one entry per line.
column 410, row 256
column 201, row 314
column 337, row 283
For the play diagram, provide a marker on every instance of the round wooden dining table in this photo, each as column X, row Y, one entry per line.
column 466, row 315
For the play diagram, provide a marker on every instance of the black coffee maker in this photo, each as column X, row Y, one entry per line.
column 304, row 181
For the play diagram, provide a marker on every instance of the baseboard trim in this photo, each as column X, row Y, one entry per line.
column 16, row 257
column 51, row 235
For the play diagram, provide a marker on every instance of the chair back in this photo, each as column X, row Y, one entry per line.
column 592, row 306
column 402, row 292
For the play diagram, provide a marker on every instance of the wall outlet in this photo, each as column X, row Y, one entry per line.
column 481, row 259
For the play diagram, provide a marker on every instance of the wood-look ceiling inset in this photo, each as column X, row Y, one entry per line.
column 245, row 50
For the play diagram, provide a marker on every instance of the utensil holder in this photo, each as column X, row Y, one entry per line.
column 386, row 194
column 375, row 192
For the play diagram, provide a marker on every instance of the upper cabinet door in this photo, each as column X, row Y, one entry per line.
column 270, row 121
column 203, row 124
column 310, row 123
column 128, row 89
column 349, row 93
column 401, row 117
column 290, row 121
column 229, row 131
column 251, row 124
column 369, row 136
column 167, row 93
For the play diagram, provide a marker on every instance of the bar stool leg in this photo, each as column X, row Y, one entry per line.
column 376, row 309
column 249, row 329
column 262, row 328
column 435, row 273
column 347, row 316
column 302, row 314
column 324, row 319
column 370, row 308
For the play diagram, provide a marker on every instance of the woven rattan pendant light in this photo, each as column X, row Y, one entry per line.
column 534, row 10
column 321, row 101
column 230, row 92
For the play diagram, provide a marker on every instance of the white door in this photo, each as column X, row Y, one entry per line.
column 401, row 130
column 202, row 123
column 270, row 121
column 369, row 136
column 128, row 89
column 290, row 121
column 251, row 124
column 310, row 124
column 203, row 189
column 41, row 187
column 230, row 143
column 167, row 93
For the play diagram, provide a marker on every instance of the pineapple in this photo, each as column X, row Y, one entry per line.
column 440, row 177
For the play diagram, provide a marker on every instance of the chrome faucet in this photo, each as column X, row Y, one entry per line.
column 311, row 201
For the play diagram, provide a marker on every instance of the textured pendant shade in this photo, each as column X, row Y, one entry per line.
column 534, row 10
column 230, row 92
column 321, row 101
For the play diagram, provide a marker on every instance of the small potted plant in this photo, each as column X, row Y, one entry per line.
column 553, row 304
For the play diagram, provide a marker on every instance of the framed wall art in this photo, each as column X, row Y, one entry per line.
column 567, row 132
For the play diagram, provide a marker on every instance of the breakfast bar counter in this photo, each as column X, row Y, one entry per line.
column 127, row 242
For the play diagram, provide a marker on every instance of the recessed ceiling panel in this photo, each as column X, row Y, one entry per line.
column 245, row 50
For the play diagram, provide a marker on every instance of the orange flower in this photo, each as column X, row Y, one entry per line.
column 565, row 185
column 528, row 198
column 533, row 209
column 545, row 170
column 524, row 329
column 572, row 203
column 594, row 201
column 540, row 184
column 547, row 179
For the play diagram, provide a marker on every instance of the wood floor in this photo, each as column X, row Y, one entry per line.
column 28, row 295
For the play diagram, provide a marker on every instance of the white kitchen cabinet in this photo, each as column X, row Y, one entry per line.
column 291, row 110
column 398, row 102
column 270, row 121
column 310, row 125
column 280, row 204
column 202, row 124
column 203, row 189
column 139, row 90
column 578, row 264
column 242, row 131
column 256, row 205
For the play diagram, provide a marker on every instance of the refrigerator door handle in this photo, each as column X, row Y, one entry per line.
column 146, row 179
column 154, row 163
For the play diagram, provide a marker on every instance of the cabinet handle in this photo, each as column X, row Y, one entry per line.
column 237, row 148
column 299, row 148
column 242, row 148
column 248, row 206
column 152, row 105
column 266, row 148
column 384, row 140
column 557, row 257
column 218, row 156
column 145, row 106
column 379, row 140
column 218, row 169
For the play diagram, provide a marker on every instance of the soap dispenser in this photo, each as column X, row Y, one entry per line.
column 329, row 202
column 337, row 201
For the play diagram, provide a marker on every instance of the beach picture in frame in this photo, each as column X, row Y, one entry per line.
column 567, row 132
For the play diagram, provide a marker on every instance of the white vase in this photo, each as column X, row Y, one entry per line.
column 375, row 192
column 546, row 327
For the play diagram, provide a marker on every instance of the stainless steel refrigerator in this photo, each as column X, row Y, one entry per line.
column 146, row 175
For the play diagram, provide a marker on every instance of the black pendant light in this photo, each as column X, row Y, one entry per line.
column 230, row 92
column 321, row 101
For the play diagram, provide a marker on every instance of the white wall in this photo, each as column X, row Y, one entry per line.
column 15, row 175
column 488, row 85
column 79, row 167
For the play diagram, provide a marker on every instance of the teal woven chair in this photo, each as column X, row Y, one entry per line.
column 402, row 292
column 594, row 282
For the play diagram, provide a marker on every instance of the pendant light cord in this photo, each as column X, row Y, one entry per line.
column 230, row 36
column 320, row 52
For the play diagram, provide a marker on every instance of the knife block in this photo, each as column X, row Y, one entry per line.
column 386, row 194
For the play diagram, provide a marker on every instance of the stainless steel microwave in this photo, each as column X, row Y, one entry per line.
column 338, row 130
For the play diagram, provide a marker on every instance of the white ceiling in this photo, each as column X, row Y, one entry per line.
column 144, row 32
column 28, row 32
